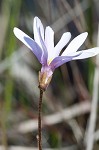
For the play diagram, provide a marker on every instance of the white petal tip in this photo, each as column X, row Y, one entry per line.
column 48, row 28
column 85, row 34
column 15, row 30
column 35, row 18
column 67, row 34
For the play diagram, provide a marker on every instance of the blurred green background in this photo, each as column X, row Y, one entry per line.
column 71, row 87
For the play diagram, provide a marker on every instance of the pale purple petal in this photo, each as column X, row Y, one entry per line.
column 87, row 53
column 38, row 24
column 44, row 48
column 49, row 41
column 58, row 61
column 63, row 41
column 39, row 37
column 30, row 43
column 75, row 44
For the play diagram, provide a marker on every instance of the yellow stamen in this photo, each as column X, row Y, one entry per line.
column 50, row 60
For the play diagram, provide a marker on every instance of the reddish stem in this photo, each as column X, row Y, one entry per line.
column 39, row 121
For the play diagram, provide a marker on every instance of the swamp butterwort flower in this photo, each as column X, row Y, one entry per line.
column 48, row 54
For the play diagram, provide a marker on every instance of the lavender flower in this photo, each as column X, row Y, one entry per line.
column 48, row 54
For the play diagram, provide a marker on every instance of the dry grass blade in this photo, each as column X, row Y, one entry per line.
column 69, row 113
column 59, row 24
column 89, row 140
column 34, row 148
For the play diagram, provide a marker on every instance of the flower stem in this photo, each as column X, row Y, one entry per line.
column 39, row 138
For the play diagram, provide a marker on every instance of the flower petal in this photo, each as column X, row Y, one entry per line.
column 45, row 52
column 87, row 53
column 58, row 61
column 75, row 44
column 63, row 41
column 30, row 43
column 49, row 41
column 38, row 24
